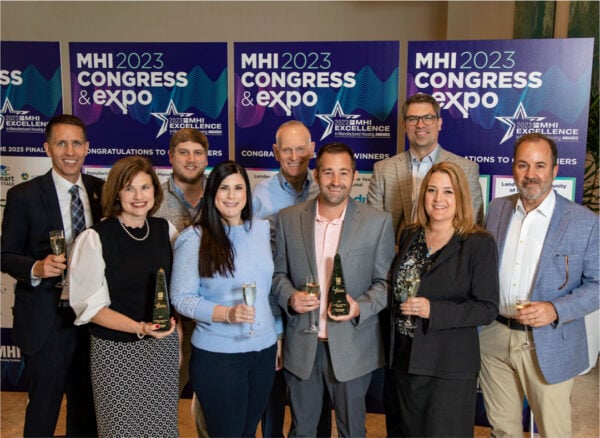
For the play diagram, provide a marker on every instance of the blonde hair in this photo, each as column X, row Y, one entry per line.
column 464, row 217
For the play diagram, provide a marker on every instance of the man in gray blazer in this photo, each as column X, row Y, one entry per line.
column 549, row 252
column 396, row 181
column 339, row 358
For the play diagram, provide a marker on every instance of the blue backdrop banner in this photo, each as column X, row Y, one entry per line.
column 133, row 96
column 492, row 92
column 30, row 94
column 343, row 91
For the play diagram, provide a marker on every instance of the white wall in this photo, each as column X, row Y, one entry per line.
column 172, row 21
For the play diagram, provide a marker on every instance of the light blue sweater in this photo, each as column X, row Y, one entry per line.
column 197, row 297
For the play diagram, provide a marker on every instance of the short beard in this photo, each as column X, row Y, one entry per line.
column 185, row 180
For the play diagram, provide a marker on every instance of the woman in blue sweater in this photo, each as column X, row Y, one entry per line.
column 231, row 371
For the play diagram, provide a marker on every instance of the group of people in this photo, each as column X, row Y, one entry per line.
column 238, row 262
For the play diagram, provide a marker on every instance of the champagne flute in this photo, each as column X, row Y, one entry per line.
column 313, row 289
column 521, row 303
column 57, row 243
column 412, row 282
column 249, row 294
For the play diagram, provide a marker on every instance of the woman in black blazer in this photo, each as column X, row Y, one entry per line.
column 435, row 361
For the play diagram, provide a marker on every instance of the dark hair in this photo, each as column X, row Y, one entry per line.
column 335, row 148
column 216, row 254
column 464, row 218
column 65, row 119
column 535, row 137
column 188, row 134
column 120, row 175
column 421, row 98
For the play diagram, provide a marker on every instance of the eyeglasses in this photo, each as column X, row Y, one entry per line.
column 427, row 120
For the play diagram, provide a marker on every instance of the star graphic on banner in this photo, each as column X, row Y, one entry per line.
column 519, row 115
column 337, row 112
column 8, row 109
column 164, row 117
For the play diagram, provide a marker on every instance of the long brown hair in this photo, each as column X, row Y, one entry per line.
column 216, row 253
column 464, row 218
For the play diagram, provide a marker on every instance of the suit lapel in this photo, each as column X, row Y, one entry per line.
column 558, row 227
column 451, row 248
column 307, row 226
column 403, row 173
column 506, row 213
column 94, row 198
column 50, row 202
column 349, row 228
column 443, row 155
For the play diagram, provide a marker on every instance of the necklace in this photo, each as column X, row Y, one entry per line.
column 431, row 242
column 139, row 239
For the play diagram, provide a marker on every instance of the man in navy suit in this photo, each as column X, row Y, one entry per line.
column 56, row 353
column 549, row 252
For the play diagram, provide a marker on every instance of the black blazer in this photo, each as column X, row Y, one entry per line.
column 31, row 211
column 463, row 291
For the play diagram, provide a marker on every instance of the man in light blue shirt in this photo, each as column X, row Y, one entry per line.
column 293, row 184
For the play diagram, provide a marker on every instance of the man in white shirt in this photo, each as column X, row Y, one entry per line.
column 56, row 353
column 549, row 258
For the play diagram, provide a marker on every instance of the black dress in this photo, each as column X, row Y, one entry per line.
column 135, row 382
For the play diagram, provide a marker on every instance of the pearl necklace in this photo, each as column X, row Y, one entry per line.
column 139, row 239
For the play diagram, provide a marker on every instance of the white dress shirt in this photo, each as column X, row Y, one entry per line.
column 524, row 242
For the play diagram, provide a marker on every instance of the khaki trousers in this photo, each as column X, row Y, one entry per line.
column 507, row 374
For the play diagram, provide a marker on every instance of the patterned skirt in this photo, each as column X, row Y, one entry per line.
column 136, row 387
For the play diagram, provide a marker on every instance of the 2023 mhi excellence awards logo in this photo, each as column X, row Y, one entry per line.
column 20, row 121
column 351, row 125
column 520, row 123
column 172, row 121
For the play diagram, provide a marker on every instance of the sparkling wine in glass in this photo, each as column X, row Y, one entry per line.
column 57, row 243
column 411, row 285
column 312, row 288
column 522, row 303
column 249, row 294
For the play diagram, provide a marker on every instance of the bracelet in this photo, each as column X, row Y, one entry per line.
column 139, row 333
column 227, row 315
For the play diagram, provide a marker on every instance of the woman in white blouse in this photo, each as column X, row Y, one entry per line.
column 112, row 274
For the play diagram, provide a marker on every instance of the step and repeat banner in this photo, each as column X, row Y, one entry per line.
column 134, row 96
column 492, row 92
column 342, row 91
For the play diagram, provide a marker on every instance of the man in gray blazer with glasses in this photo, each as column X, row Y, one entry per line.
column 395, row 184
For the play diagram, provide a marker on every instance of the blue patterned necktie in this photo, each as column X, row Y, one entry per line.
column 77, row 214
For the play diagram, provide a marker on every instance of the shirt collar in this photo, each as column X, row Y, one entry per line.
column 179, row 193
column 546, row 208
column 288, row 187
column 431, row 157
column 64, row 185
column 335, row 221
